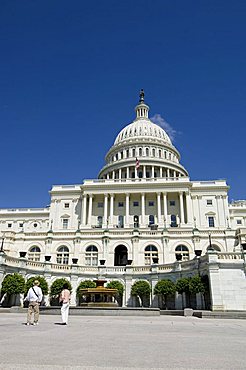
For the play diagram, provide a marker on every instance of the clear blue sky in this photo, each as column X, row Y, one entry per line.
column 71, row 71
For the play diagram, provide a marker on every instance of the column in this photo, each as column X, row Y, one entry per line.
column 136, row 173
column 127, row 173
column 111, row 218
column 113, row 175
column 120, row 173
column 127, row 209
column 143, row 209
column 105, row 216
column 159, row 208
column 181, row 204
column 90, row 210
column 152, row 171
column 218, row 211
column 165, row 207
column 168, row 172
column 188, row 208
column 84, row 210
column 161, row 172
column 144, row 172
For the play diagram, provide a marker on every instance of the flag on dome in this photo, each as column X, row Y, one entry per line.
column 137, row 164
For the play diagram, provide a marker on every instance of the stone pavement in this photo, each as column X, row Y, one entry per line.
column 120, row 343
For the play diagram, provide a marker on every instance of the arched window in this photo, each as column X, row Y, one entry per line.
column 134, row 152
column 183, row 251
column 62, row 255
column 147, row 152
column 140, row 152
column 34, row 254
column 153, row 152
column 150, row 255
column 91, row 256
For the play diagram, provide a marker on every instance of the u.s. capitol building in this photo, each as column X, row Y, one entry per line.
column 142, row 218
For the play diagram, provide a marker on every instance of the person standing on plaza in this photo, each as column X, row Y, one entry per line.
column 65, row 297
column 34, row 297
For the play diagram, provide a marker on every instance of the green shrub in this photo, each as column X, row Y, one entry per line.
column 13, row 284
column 43, row 284
column 57, row 286
column 85, row 285
column 116, row 284
column 164, row 288
column 196, row 285
column 183, row 285
column 141, row 289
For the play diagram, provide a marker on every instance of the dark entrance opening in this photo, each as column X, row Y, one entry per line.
column 120, row 256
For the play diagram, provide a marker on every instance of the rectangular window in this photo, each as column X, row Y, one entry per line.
column 151, row 203
column 20, row 224
column 66, row 205
column 209, row 202
column 135, row 204
column 9, row 225
column 65, row 223
column 211, row 221
column 239, row 222
column 121, row 204
column 100, row 205
column 172, row 203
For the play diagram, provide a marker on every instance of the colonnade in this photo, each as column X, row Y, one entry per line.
column 143, row 171
column 160, row 210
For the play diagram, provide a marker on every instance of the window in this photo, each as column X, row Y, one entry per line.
column 209, row 202
column 151, row 203
column 147, row 152
column 62, row 255
column 172, row 203
column 151, row 220
column 100, row 205
column 91, row 256
column 35, row 225
column 121, row 221
column 135, row 204
column 65, row 223
column 211, row 221
column 147, row 174
column 239, row 222
column 120, row 204
column 9, row 225
column 174, row 221
column 136, row 221
column 153, row 152
column 66, row 205
column 183, row 251
column 34, row 254
column 99, row 221
column 150, row 255
column 21, row 224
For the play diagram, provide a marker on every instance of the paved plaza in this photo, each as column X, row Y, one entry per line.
column 102, row 343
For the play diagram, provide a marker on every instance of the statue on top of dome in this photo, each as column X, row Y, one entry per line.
column 141, row 96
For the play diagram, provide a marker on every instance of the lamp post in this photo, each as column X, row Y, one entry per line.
column 210, row 247
column 1, row 250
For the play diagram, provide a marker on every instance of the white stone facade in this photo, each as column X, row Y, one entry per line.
column 142, row 208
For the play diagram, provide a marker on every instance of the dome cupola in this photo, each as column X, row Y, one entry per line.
column 146, row 144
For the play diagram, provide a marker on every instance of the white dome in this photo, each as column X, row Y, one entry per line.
column 142, row 129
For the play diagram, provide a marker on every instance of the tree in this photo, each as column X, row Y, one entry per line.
column 141, row 289
column 164, row 288
column 183, row 286
column 196, row 285
column 13, row 284
column 57, row 286
column 116, row 284
column 42, row 281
